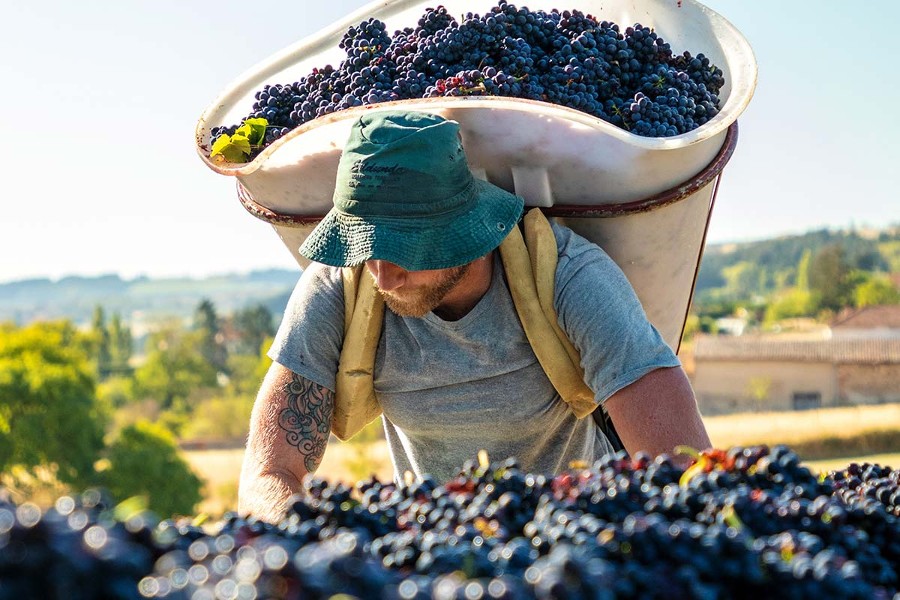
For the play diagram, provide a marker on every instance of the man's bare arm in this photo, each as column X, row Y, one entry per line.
column 289, row 429
column 658, row 412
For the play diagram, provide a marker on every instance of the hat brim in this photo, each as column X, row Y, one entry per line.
column 417, row 243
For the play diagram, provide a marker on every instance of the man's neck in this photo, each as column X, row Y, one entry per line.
column 471, row 288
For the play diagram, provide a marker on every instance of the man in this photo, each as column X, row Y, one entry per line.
column 454, row 372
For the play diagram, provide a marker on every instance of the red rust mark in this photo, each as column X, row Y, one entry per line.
column 270, row 216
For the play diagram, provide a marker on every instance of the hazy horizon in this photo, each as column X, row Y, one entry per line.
column 294, row 266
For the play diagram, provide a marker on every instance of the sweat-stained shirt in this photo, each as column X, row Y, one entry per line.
column 451, row 388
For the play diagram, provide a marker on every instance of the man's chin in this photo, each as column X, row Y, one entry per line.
column 406, row 309
column 419, row 301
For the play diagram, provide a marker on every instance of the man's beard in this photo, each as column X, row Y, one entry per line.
column 422, row 300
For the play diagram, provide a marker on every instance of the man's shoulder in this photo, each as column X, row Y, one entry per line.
column 319, row 286
column 584, row 267
column 321, row 275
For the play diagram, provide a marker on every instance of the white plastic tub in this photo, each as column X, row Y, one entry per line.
column 647, row 201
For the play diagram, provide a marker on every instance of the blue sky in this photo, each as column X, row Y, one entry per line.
column 101, row 98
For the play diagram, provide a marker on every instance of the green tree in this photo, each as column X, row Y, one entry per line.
column 714, row 304
column 252, row 325
column 743, row 280
column 691, row 327
column 830, row 278
column 784, row 278
column 870, row 260
column 708, row 325
column 115, row 392
column 48, row 413
column 220, row 418
column 876, row 291
column 765, row 280
column 803, row 270
column 120, row 344
column 795, row 302
column 212, row 341
column 143, row 461
column 175, row 367
column 100, row 336
column 248, row 371
column 890, row 250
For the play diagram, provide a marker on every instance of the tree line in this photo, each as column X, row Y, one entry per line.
column 816, row 276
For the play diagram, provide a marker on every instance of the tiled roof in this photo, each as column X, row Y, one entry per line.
column 835, row 350
column 870, row 317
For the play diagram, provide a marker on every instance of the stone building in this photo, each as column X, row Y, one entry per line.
column 857, row 361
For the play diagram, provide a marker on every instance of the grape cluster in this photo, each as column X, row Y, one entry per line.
column 629, row 77
column 743, row 523
column 866, row 484
column 76, row 549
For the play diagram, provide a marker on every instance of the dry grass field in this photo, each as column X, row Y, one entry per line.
column 221, row 469
column 794, row 428
column 350, row 462
column 833, row 464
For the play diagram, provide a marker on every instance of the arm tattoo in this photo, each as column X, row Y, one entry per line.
column 307, row 418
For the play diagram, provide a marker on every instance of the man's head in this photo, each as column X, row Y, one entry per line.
column 404, row 194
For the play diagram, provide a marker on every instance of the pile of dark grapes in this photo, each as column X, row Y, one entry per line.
column 630, row 78
column 743, row 523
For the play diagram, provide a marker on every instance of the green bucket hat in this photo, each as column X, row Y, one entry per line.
column 404, row 194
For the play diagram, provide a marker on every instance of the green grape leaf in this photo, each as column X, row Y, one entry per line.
column 222, row 149
column 254, row 130
column 241, row 143
column 257, row 130
column 219, row 143
column 230, row 148
column 244, row 130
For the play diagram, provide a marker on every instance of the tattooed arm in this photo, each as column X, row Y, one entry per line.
column 289, row 429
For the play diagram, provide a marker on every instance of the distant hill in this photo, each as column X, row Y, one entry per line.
column 776, row 259
column 147, row 298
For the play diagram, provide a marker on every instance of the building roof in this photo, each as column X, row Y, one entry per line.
column 873, row 351
column 870, row 317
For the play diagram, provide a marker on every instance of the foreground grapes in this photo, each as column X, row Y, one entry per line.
column 629, row 78
column 746, row 523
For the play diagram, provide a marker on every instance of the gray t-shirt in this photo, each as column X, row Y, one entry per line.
column 451, row 388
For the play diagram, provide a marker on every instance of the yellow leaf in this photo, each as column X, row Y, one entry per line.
column 692, row 471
